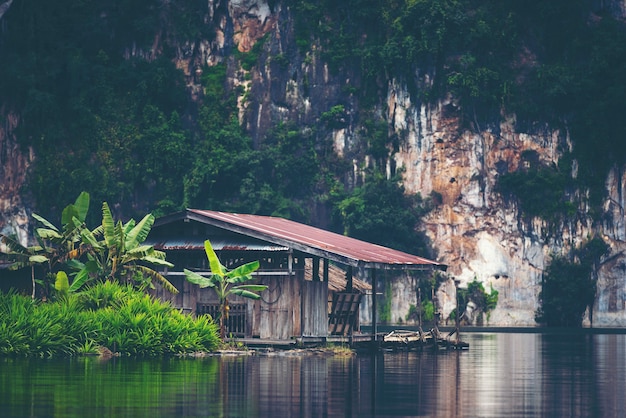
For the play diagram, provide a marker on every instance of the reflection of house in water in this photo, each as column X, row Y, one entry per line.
column 309, row 272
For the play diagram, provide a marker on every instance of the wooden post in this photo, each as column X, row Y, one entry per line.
column 374, row 307
column 349, row 281
column 325, row 277
column 316, row 269
column 457, row 318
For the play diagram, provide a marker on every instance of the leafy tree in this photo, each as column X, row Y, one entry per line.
column 540, row 191
column 569, row 287
column 475, row 292
column 379, row 211
column 564, row 293
column 226, row 282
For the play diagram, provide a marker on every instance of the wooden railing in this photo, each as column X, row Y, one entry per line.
column 236, row 321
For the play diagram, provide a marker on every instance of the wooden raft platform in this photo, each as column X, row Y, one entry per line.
column 397, row 340
column 407, row 340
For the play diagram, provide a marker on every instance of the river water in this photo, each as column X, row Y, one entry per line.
column 568, row 374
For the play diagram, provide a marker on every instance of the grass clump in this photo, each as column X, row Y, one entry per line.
column 123, row 320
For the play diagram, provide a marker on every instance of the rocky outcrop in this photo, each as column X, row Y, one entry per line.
column 14, row 163
column 474, row 231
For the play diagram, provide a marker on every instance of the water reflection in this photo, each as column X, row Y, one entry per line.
column 503, row 374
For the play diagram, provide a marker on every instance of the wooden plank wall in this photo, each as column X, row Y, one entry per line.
column 185, row 299
column 280, row 308
column 315, row 309
column 290, row 307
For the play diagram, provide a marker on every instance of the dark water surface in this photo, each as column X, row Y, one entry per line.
column 502, row 375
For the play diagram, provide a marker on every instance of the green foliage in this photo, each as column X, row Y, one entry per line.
column 475, row 292
column 335, row 118
column 540, row 191
column 105, row 109
column 569, row 287
column 565, row 293
column 130, row 323
column 427, row 310
column 226, row 282
column 384, row 308
column 249, row 59
column 283, row 174
column 380, row 212
column 57, row 248
column 121, row 254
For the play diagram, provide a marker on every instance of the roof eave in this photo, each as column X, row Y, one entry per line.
column 338, row 258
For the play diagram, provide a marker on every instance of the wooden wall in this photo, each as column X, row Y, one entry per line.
column 290, row 307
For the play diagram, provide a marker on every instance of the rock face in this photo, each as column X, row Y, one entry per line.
column 474, row 231
column 14, row 163
column 477, row 234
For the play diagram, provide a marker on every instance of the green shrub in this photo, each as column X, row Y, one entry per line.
column 475, row 292
column 108, row 314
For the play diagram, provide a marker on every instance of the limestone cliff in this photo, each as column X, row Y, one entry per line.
column 14, row 162
column 474, row 231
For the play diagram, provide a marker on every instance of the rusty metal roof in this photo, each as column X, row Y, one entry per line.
column 184, row 243
column 308, row 239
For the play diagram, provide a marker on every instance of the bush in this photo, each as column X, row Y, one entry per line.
column 110, row 315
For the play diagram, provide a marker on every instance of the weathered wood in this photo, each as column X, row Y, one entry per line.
column 280, row 308
column 235, row 324
column 315, row 309
column 344, row 313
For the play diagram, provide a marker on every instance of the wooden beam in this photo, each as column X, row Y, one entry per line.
column 349, row 281
column 374, row 307
column 316, row 269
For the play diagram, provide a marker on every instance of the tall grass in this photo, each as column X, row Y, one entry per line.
column 109, row 315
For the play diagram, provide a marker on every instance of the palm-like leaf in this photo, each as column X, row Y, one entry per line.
column 157, row 261
column 243, row 271
column 13, row 245
column 157, row 276
column 195, row 278
column 37, row 259
column 244, row 293
column 89, row 238
column 139, row 232
column 214, row 262
column 82, row 206
column 45, row 222
column 62, row 283
column 222, row 281
column 78, row 210
column 252, row 287
column 108, row 226
column 50, row 234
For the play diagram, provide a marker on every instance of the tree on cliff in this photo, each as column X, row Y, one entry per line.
column 569, row 288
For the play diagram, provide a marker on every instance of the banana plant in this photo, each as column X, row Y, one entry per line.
column 56, row 247
column 226, row 282
column 120, row 253
column 19, row 256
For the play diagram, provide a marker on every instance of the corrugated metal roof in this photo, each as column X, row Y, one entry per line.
column 315, row 241
column 218, row 245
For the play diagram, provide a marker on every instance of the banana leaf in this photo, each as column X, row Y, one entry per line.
column 159, row 277
column 244, row 293
column 45, row 222
column 195, row 278
column 214, row 262
column 140, row 232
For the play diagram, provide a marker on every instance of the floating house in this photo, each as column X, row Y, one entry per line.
column 312, row 292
